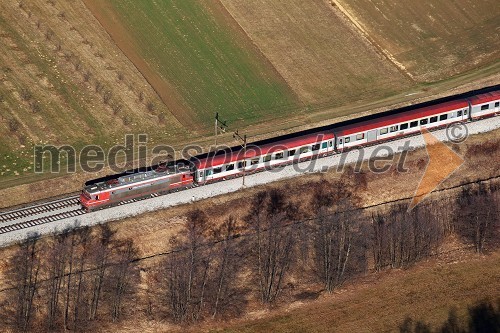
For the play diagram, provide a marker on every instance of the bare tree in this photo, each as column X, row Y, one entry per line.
column 150, row 106
column 69, row 274
column 56, row 267
column 106, row 97
column 87, row 75
column 49, row 34
column 226, row 265
column 14, row 125
column 102, row 253
column 401, row 238
column 23, row 275
column 98, row 86
column 187, row 271
column 85, row 242
column 333, row 243
column 273, row 243
column 124, row 277
column 35, row 106
column 378, row 223
column 477, row 216
column 117, row 107
column 26, row 94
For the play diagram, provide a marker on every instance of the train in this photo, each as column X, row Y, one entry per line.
column 286, row 149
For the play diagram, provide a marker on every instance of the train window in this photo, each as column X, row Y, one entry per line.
column 497, row 104
column 340, row 141
column 465, row 112
column 459, row 113
column 434, row 119
column 423, row 121
column 347, row 139
column 97, row 197
column 413, row 124
column 360, row 136
column 393, row 128
column 230, row 167
column 254, row 161
column 443, row 117
column 208, row 172
column 291, row 152
column 201, row 174
column 485, row 107
column 303, row 150
column 384, row 130
column 331, row 143
column 217, row 170
column 278, row 156
column 242, row 164
column 315, row 147
column 403, row 126
column 267, row 158
column 324, row 145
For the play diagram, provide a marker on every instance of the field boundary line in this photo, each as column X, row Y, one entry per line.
column 364, row 34
column 297, row 95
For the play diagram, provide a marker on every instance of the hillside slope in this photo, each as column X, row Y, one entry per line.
column 380, row 303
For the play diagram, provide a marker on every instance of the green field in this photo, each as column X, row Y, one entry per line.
column 210, row 63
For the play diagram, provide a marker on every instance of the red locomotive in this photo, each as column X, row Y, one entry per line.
column 112, row 190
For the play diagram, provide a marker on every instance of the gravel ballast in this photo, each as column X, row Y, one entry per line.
column 232, row 185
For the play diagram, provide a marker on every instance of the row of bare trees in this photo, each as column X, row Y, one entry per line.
column 198, row 279
column 477, row 216
column 214, row 271
column 69, row 281
column 402, row 237
column 81, row 277
column 277, row 245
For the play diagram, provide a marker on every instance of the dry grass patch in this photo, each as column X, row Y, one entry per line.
column 380, row 302
column 318, row 53
column 433, row 40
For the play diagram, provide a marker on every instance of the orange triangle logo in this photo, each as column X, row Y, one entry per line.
column 443, row 161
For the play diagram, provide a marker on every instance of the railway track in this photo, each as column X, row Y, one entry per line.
column 69, row 207
column 38, row 214
column 41, row 220
column 51, row 211
column 37, row 209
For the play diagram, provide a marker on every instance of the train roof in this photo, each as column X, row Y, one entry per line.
column 485, row 98
column 387, row 120
column 347, row 127
column 258, row 148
